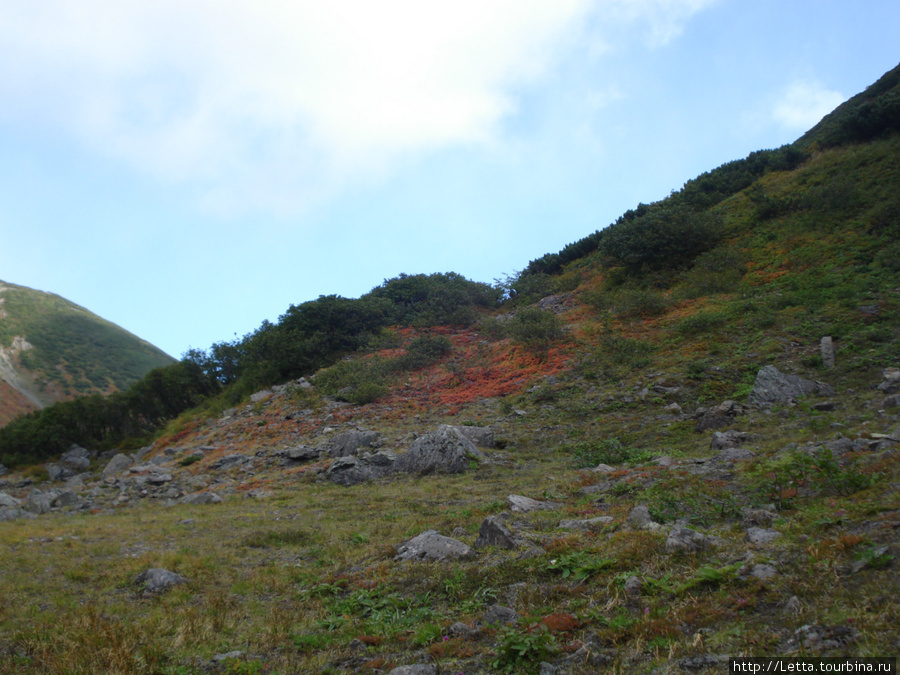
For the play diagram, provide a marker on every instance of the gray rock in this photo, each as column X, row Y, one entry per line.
column 498, row 614
column 117, row 465
column 446, row 450
column 685, row 540
column 760, row 518
column 673, row 408
column 760, row 537
column 792, row 605
column 826, row 348
column 159, row 478
column 480, row 436
column 156, row 580
column 633, row 587
column 494, row 533
column 589, row 525
column 9, row 502
column 58, row 472
column 816, row 639
column 40, row 502
column 76, row 458
column 262, row 395
column 202, row 498
column 719, row 417
column 433, row 546
column 520, row 504
column 416, row 669
column 66, row 498
column 640, row 519
column 763, row 572
column 230, row 461
column 890, row 381
column 772, row 386
column 228, row 655
column 350, row 442
column 722, row 440
column 892, row 401
column 302, row 453
column 730, row 455
column 351, row 470
column 604, row 468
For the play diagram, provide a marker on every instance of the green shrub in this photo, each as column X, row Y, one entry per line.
column 701, row 322
column 608, row 451
column 535, row 328
column 628, row 302
column 659, row 236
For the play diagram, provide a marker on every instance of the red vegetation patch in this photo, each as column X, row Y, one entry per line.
column 561, row 622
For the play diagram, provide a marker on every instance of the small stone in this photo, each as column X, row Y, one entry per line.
column 633, row 587
column 498, row 614
column 685, row 540
column 156, row 580
column 229, row 655
column 521, row 504
column 759, row 536
column 793, row 605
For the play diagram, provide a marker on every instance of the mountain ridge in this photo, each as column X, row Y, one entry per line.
column 54, row 350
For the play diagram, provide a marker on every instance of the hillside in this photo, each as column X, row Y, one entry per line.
column 669, row 444
column 53, row 350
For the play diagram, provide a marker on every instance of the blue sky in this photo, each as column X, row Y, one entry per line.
column 188, row 168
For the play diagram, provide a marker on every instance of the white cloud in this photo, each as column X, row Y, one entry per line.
column 271, row 102
column 804, row 103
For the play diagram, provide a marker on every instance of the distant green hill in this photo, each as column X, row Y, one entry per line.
column 51, row 349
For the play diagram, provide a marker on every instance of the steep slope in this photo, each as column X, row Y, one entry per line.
column 52, row 350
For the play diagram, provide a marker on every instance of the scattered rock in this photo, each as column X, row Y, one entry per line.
column 117, row 465
column 673, row 408
column 350, row 442
column 354, row 470
column 156, row 580
column 890, row 383
column 640, row 519
column 6, row 501
column 498, row 614
column 229, row 461
column 494, row 533
column 480, row 436
column 417, row 669
column 758, row 518
column 520, row 504
column 76, row 458
column 227, row 656
column 722, row 440
column 817, row 639
column 446, row 450
column 685, row 540
column 730, row 455
column 302, row 453
column 633, row 587
column 590, row 525
column 762, row 572
column 433, row 546
column 604, row 468
column 760, row 537
column 201, row 498
column 772, row 386
column 826, row 348
column 719, row 417
column 792, row 605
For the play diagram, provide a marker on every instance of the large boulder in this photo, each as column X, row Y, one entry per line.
column 521, row 504
column 117, row 465
column 772, row 387
column 446, row 450
column 76, row 458
column 433, row 546
column 354, row 470
column 351, row 442
column 480, row 436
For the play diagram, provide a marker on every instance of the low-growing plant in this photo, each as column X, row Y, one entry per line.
column 579, row 565
column 518, row 649
column 608, row 451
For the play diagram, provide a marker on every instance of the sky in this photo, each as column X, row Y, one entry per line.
column 190, row 168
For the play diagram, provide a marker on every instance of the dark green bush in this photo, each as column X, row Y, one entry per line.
column 535, row 328
column 659, row 236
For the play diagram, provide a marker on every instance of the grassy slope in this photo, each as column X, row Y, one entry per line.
column 293, row 578
column 74, row 351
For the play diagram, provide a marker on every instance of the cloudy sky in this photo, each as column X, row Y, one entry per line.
column 189, row 168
